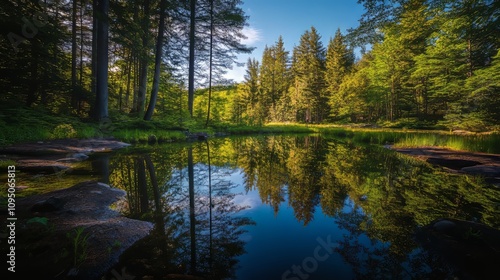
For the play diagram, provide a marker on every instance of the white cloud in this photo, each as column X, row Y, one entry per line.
column 252, row 34
column 237, row 73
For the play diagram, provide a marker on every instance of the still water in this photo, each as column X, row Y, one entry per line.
column 286, row 207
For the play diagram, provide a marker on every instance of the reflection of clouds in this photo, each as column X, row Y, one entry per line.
column 251, row 200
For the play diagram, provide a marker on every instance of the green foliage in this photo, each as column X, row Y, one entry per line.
column 41, row 220
column 79, row 243
column 308, row 66
column 64, row 131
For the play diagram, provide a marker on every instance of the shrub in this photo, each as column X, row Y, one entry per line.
column 64, row 131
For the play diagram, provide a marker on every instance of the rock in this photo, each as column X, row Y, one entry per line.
column 455, row 164
column 152, row 139
column 471, row 249
column 485, row 170
column 198, row 136
column 444, row 226
column 74, row 158
column 42, row 166
column 84, row 206
column 49, row 205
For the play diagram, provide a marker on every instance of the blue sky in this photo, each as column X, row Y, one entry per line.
column 291, row 18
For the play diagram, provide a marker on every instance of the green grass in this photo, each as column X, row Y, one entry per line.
column 487, row 143
column 144, row 136
column 20, row 124
column 277, row 128
column 4, row 163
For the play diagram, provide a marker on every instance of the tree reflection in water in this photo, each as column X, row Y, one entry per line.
column 378, row 197
column 196, row 230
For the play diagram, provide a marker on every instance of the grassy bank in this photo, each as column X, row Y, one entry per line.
column 26, row 125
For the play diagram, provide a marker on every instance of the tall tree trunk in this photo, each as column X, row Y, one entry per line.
column 129, row 74
column 210, row 258
column 142, row 187
column 95, row 24
column 81, row 43
column 158, row 58
column 192, row 214
column 191, row 57
column 102, row 62
column 144, row 61
column 74, row 94
column 210, row 59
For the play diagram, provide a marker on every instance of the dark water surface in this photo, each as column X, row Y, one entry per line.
column 284, row 207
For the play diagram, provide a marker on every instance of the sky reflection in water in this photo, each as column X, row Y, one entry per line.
column 279, row 203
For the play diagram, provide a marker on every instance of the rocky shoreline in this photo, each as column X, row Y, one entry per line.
column 483, row 164
column 54, row 222
column 70, row 233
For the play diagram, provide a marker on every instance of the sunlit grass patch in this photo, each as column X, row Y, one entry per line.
column 144, row 136
column 488, row 143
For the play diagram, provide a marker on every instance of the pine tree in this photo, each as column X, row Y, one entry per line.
column 308, row 69
column 339, row 61
column 281, row 82
column 252, row 94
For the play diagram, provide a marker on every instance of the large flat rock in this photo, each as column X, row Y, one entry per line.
column 85, row 207
column 484, row 164
column 46, row 157
column 64, row 147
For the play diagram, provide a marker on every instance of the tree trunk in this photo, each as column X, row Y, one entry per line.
column 192, row 214
column 129, row 74
column 158, row 58
column 191, row 57
column 143, row 80
column 142, row 187
column 102, row 62
column 74, row 94
column 211, row 59
column 95, row 24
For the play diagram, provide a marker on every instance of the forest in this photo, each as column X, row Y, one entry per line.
column 431, row 63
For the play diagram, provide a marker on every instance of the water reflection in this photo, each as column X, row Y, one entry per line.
column 369, row 199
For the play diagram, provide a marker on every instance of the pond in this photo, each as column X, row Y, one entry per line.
column 288, row 207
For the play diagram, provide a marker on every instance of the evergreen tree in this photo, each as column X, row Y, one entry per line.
column 339, row 61
column 267, row 79
column 251, row 93
column 308, row 66
column 281, row 82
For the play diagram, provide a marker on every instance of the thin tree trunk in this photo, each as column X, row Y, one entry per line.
column 192, row 214
column 74, row 94
column 129, row 74
column 143, row 80
column 143, row 189
column 191, row 57
column 81, row 45
column 211, row 59
column 95, row 24
column 158, row 58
